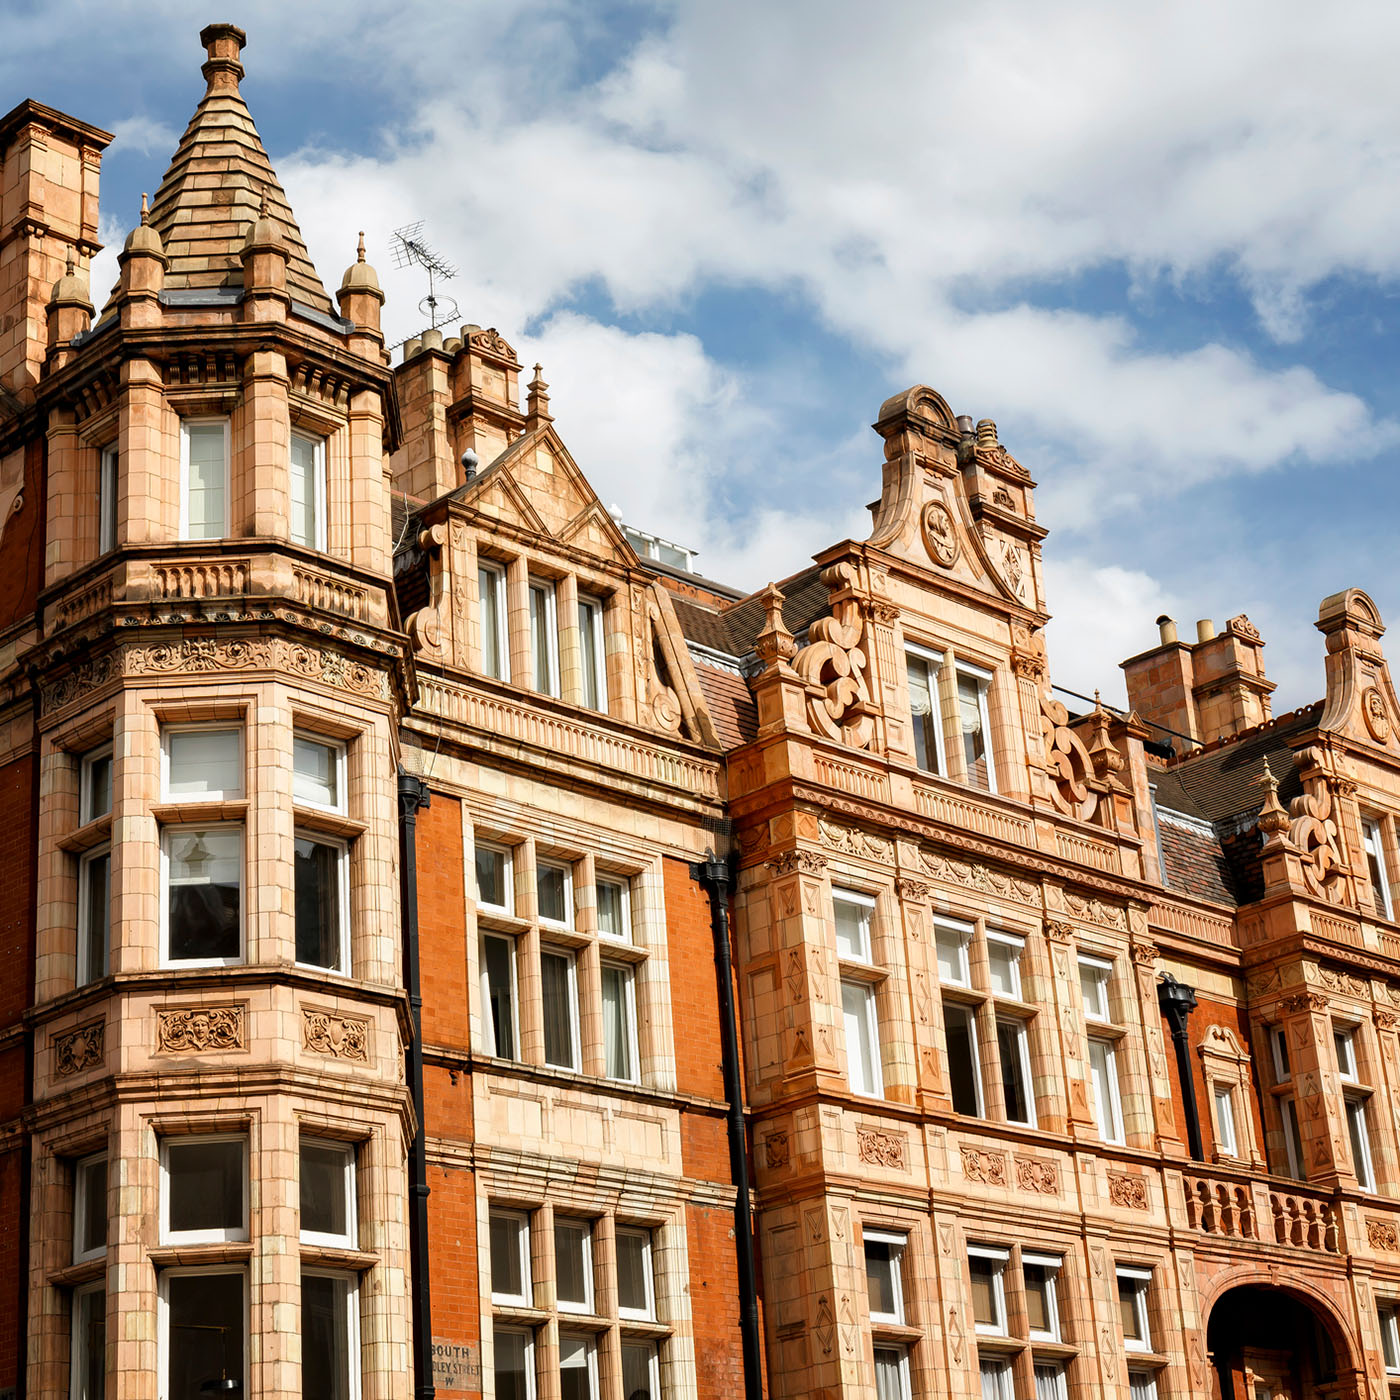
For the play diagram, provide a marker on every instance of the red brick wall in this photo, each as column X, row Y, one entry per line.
column 694, row 1003
column 452, row 1262
column 442, row 924
column 22, row 546
column 714, row 1303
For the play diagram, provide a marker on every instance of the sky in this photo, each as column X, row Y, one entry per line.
column 1159, row 245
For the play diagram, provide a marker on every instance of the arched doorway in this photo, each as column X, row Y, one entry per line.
column 1270, row 1343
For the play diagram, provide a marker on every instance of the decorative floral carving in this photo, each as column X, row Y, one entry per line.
column 1110, row 915
column 85, row 676
column 1058, row 931
column 1385, row 1020
column 493, row 343
column 79, row 1049
column 1129, row 1192
column 1067, row 761
column 798, row 862
column 852, row 841
column 989, row 1168
column 1002, row 497
column 1373, row 711
column 344, row 1037
column 1336, row 981
column 1381, row 1234
column 198, row 1028
column 1036, row 1174
column 1313, row 830
column 1144, row 954
column 1012, row 570
column 940, row 534
column 834, row 663
column 775, row 1149
column 1303, row 1001
column 240, row 654
column 978, row 877
column 1028, row 657
column 882, row 1148
column 1241, row 626
column 826, row 1325
column 912, row 890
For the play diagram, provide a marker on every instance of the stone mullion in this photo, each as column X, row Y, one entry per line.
column 51, row 1231
column 521, row 668
column 368, row 543
column 269, row 869
column 570, row 660
column 1102, row 1362
column 957, row 1368
column 1318, row 1100
column 134, row 1190
column 274, row 1316
column 384, row 1314
column 1005, row 739
column 1384, row 1077
column 259, row 475
column 376, row 950
column 618, row 661
column 912, row 997
column 148, row 475
column 1073, row 1047
column 136, row 861
column 1149, row 1026
column 71, row 527
column 56, row 909
column 463, row 590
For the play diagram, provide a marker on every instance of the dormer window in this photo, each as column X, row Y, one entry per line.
column 308, row 491
column 544, row 636
column 204, row 457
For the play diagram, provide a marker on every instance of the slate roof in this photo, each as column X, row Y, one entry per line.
column 730, row 702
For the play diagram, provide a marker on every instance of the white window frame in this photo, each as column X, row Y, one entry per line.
column 352, row 1320
column 975, row 1042
column 584, row 1309
column 80, row 1220
column 529, row 1336
column 1389, row 1322
column 1102, row 972
column 338, row 752
column 1109, row 1109
column 497, row 584
column 1374, row 844
column 647, row 1314
column 898, row 1243
column 548, row 589
column 173, row 832
column 317, row 487
column 526, row 1297
column 1278, row 1049
column 1292, row 1137
column 588, row 603
column 934, row 661
column 875, row 1088
column 590, row 1351
column 1141, row 1279
column 352, row 1224
column 1223, row 1107
column 1142, row 1385
column 77, row 1349
column 1023, row 1050
column 167, row 731
column 624, row 885
column 983, row 679
column 1052, row 1264
column 1053, row 1373
column 234, row 1234
column 107, row 459
column 629, row 1014
column 570, row 957
column 999, row 1369
column 1359, row 1140
column 901, row 1355
column 84, row 973
column 185, row 425
column 507, row 878
column 1018, row 948
column 570, row 914
column 342, row 871
column 965, row 933
column 866, row 903
column 163, row 1319
column 488, row 1025
column 1344, row 1045
column 1000, row 1258
column 85, row 766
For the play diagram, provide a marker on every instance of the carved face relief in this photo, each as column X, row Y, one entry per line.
column 940, row 538
column 1373, row 712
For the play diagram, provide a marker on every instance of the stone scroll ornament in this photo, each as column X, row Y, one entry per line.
column 1312, row 829
column 834, row 664
column 1067, row 761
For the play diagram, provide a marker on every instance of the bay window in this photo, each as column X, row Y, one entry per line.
column 330, row 1334
column 88, row 1352
column 327, row 1186
column 90, row 1208
column 203, row 1325
column 975, row 727
column 515, row 1363
column 559, row 991
column 578, row 1367
column 308, row 491
column 573, row 1264
column 884, row 1280
column 921, row 671
column 204, row 1189
column 107, row 498
column 204, row 485
column 322, row 902
column 510, row 1258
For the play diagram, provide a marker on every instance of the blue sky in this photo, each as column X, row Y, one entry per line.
column 1160, row 249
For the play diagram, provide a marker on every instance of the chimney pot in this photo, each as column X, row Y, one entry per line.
column 1205, row 630
column 1166, row 626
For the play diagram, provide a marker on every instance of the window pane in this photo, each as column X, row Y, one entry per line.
column 305, row 492
column 552, row 887
column 1093, row 988
column 318, row 909
column 544, row 644
column 1128, row 1312
column 572, row 1263
column 513, row 1363
column 963, row 1070
column 204, row 504
column 1225, row 1120
column 974, row 735
column 489, row 585
column 509, row 1241
column 315, row 772
column 1050, row 1382
column 882, row 1279
column 204, row 763
column 1297, row 1166
column 1004, row 967
column 96, row 894
column 1142, row 1385
column 1360, row 1143
column 91, row 1200
column 1016, row 1092
column 499, row 995
column 107, row 501
column 97, row 786
column 575, row 1368
column 325, row 1180
column 205, row 872
column 952, row 954
column 986, row 1311
column 862, row 1040
column 617, row 1022
column 205, row 1185
column 325, row 1337
column 1390, row 1339
column 634, row 1272
column 996, row 1380
column 590, row 644
column 923, row 706
column 852, row 928
column 638, row 1365
column 206, row 1331
column 1103, row 1070
column 612, row 909
column 90, row 1343
column 556, row 983
column 493, row 878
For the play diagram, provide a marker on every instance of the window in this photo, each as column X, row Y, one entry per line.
column 1014, row 1053
column 853, row 914
column 1132, row 1308
column 1292, row 1139
column 1344, row 1040
column 1094, row 977
column 204, row 894
column 330, row 1335
column 1039, row 1273
column 1004, row 964
column 554, row 889
column 559, row 989
column 498, row 995
column 987, row 1267
column 204, row 1189
column 573, row 1264
column 308, row 491
column 495, row 888
column 636, row 1289
column 952, row 940
column 204, row 454
column 975, row 727
column 491, row 604
column 94, row 914
column 578, row 1367
column 202, row 763
column 327, row 1193
column 592, row 660
column 322, row 902
column 891, row 1373
column 614, row 910
column 510, row 1259
column 862, row 1038
column 544, row 637
column 619, row 1022
column 1390, row 1338
column 1278, row 1044
column 1225, row 1120
column 1050, row 1381
column 1360, row 1143
column 641, row 1371
column 884, row 1284
column 318, row 773
column 921, row 667
column 88, row 1357
column 1103, row 1073
column 996, row 1378
column 964, row 1065
column 515, row 1364
column 107, row 498
column 203, row 1326
column 90, row 1208
column 1142, row 1385
column 95, row 785
column 1376, row 865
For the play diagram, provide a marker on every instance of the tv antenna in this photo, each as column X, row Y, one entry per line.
column 411, row 251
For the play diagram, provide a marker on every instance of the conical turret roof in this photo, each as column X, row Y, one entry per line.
column 216, row 185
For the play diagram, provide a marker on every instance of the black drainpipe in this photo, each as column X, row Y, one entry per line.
column 413, row 794
column 1177, row 1002
column 715, row 876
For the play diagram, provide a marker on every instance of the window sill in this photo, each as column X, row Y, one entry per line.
column 75, row 1275
column 195, row 813
column 335, row 1257
column 317, row 819
column 644, row 1327
column 172, row 1256
column 86, row 837
column 895, row 1333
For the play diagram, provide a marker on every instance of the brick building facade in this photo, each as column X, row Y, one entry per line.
column 379, row 819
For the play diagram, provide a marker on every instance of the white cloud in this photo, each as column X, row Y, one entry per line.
column 144, row 134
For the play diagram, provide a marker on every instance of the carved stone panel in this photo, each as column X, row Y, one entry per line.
column 344, row 1037
column 79, row 1049
column 197, row 1029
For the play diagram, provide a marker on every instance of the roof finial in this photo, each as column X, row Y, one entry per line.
column 145, row 209
column 262, row 204
column 360, row 250
column 537, row 406
column 222, row 70
column 1273, row 819
column 70, row 271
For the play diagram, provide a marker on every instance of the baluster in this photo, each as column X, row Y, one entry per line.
column 1246, row 1212
column 1229, row 1220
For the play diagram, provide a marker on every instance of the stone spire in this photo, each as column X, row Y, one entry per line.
column 219, row 182
column 537, row 405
